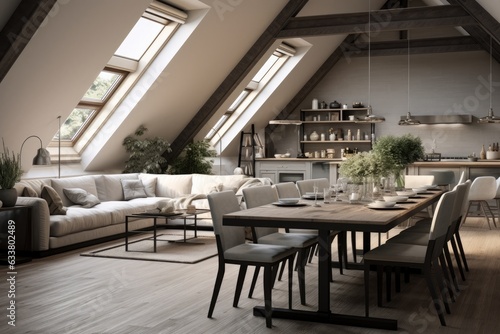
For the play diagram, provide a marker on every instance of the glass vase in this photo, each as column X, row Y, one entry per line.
column 399, row 179
column 354, row 192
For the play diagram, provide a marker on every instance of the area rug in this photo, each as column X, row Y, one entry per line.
column 168, row 249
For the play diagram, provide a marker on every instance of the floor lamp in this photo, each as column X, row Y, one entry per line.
column 59, row 149
column 42, row 156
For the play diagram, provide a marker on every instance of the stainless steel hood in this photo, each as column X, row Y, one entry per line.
column 441, row 119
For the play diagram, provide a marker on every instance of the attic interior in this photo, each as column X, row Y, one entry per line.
column 201, row 68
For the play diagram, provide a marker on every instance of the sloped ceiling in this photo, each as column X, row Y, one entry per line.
column 65, row 55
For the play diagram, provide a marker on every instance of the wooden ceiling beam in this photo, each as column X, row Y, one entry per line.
column 381, row 20
column 234, row 78
column 19, row 30
column 417, row 46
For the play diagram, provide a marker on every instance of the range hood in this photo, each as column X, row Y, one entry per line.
column 441, row 119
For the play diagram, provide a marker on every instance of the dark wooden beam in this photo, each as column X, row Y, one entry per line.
column 19, row 30
column 481, row 15
column 381, row 20
column 417, row 46
column 238, row 73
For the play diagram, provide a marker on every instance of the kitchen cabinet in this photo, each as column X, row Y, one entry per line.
column 293, row 169
column 349, row 133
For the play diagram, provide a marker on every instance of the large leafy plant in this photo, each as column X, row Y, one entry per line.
column 397, row 153
column 10, row 168
column 193, row 159
column 361, row 165
column 145, row 155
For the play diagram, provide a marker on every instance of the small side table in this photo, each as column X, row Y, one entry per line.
column 15, row 230
column 187, row 217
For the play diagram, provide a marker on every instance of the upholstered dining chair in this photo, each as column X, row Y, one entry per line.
column 307, row 186
column 232, row 248
column 482, row 190
column 444, row 178
column 290, row 190
column 301, row 242
column 425, row 258
column 419, row 235
column 417, row 181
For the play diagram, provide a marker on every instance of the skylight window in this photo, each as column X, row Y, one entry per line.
column 139, row 39
column 253, row 88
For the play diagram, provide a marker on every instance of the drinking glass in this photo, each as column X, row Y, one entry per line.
column 326, row 195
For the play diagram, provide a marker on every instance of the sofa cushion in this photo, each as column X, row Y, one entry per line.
column 86, row 182
column 170, row 186
column 109, row 187
column 133, row 189
column 35, row 184
column 81, row 197
column 29, row 192
column 54, row 201
column 204, row 183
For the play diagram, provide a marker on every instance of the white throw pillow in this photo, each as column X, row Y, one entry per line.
column 133, row 189
column 81, row 197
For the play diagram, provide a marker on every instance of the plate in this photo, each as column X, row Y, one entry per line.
column 289, row 204
column 395, row 207
column 408, row 193
column 320, row 196
column 289, row 200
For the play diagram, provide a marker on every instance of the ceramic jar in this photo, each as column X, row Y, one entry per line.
column 314, row 136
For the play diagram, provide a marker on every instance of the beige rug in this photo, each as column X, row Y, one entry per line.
column 169, row 248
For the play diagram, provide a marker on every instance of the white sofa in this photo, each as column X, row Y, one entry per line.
column 81, row 225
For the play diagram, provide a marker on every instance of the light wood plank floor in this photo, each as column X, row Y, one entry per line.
column 68, row 293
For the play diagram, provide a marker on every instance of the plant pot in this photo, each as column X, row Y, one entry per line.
column 8, row 197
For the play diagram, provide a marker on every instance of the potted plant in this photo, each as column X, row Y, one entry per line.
column 145, row 155
column 396, row 153
column 193, row 159
column 10, row 173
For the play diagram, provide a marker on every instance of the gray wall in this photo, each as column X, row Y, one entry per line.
column 439, row 84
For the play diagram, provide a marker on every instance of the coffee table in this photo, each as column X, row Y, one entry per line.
column 189, row 219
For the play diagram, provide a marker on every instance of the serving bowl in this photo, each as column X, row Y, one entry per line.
column 407, row 193
column 289, row 200
column 420, row 190
column 382, row 204
column 395, row 198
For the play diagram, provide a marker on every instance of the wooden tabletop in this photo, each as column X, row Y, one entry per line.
column 333, row 216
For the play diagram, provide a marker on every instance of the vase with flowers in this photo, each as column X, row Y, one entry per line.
column 396, row 153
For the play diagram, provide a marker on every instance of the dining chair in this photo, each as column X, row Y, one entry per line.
column 444, row 178
column 307, row 186
column 233, row 249
column 417, row 181
column 419, row 235
column 424, row 258
column 290, row 190
column 301, row 242
column 482, row 190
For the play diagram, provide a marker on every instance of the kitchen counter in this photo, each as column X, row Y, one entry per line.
column 458, row 163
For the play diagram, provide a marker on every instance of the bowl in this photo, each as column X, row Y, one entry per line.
column 382, row 204
column 473, row 158
column 407, row 193
column 289, row 200
column 395, row 198
column 277, row 156
column 420, row 190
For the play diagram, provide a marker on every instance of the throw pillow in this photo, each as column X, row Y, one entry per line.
column 133, row 189
column 29, row 192
column 53, row 200
column 81, row 197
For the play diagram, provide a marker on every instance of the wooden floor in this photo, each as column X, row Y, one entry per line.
column 68, row 293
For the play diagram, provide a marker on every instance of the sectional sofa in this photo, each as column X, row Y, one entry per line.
column 75, row 211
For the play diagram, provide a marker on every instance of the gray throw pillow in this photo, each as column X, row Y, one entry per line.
column 29, row 192
column 54, row 201
column 81, row 197
column 133, row 189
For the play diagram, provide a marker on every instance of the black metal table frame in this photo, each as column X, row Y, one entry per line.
column 185, row 215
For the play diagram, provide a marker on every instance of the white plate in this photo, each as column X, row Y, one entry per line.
column 420, row 190
column 408, row 193
column 289, row 200
column 384, row 207
column 397, row 199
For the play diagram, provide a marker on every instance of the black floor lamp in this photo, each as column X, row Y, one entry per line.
column 42, row 156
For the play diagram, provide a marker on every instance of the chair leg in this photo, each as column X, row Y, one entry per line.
column 491, row 212
column 449, row 263
column 367, row 289
column 312, row 250
column 442, row 288
column 301, row 263
column 457, row 257
column 290, row 280
column 254, row 281
column 239, row 284
column 282, row 269
column 353, row 243
column 218, row 283
column 447, row 284
column 434, row 295
column 484, row 213
column 461, row 248
column 268, row 281
column 340, row 247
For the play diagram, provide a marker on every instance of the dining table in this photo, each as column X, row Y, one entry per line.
column 339, row 216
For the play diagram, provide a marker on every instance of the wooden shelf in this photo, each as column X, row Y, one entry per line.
column 337, row 109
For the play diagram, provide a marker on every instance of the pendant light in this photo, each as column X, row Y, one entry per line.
column 370, row 118
column 408, row 120
column 490, row 118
